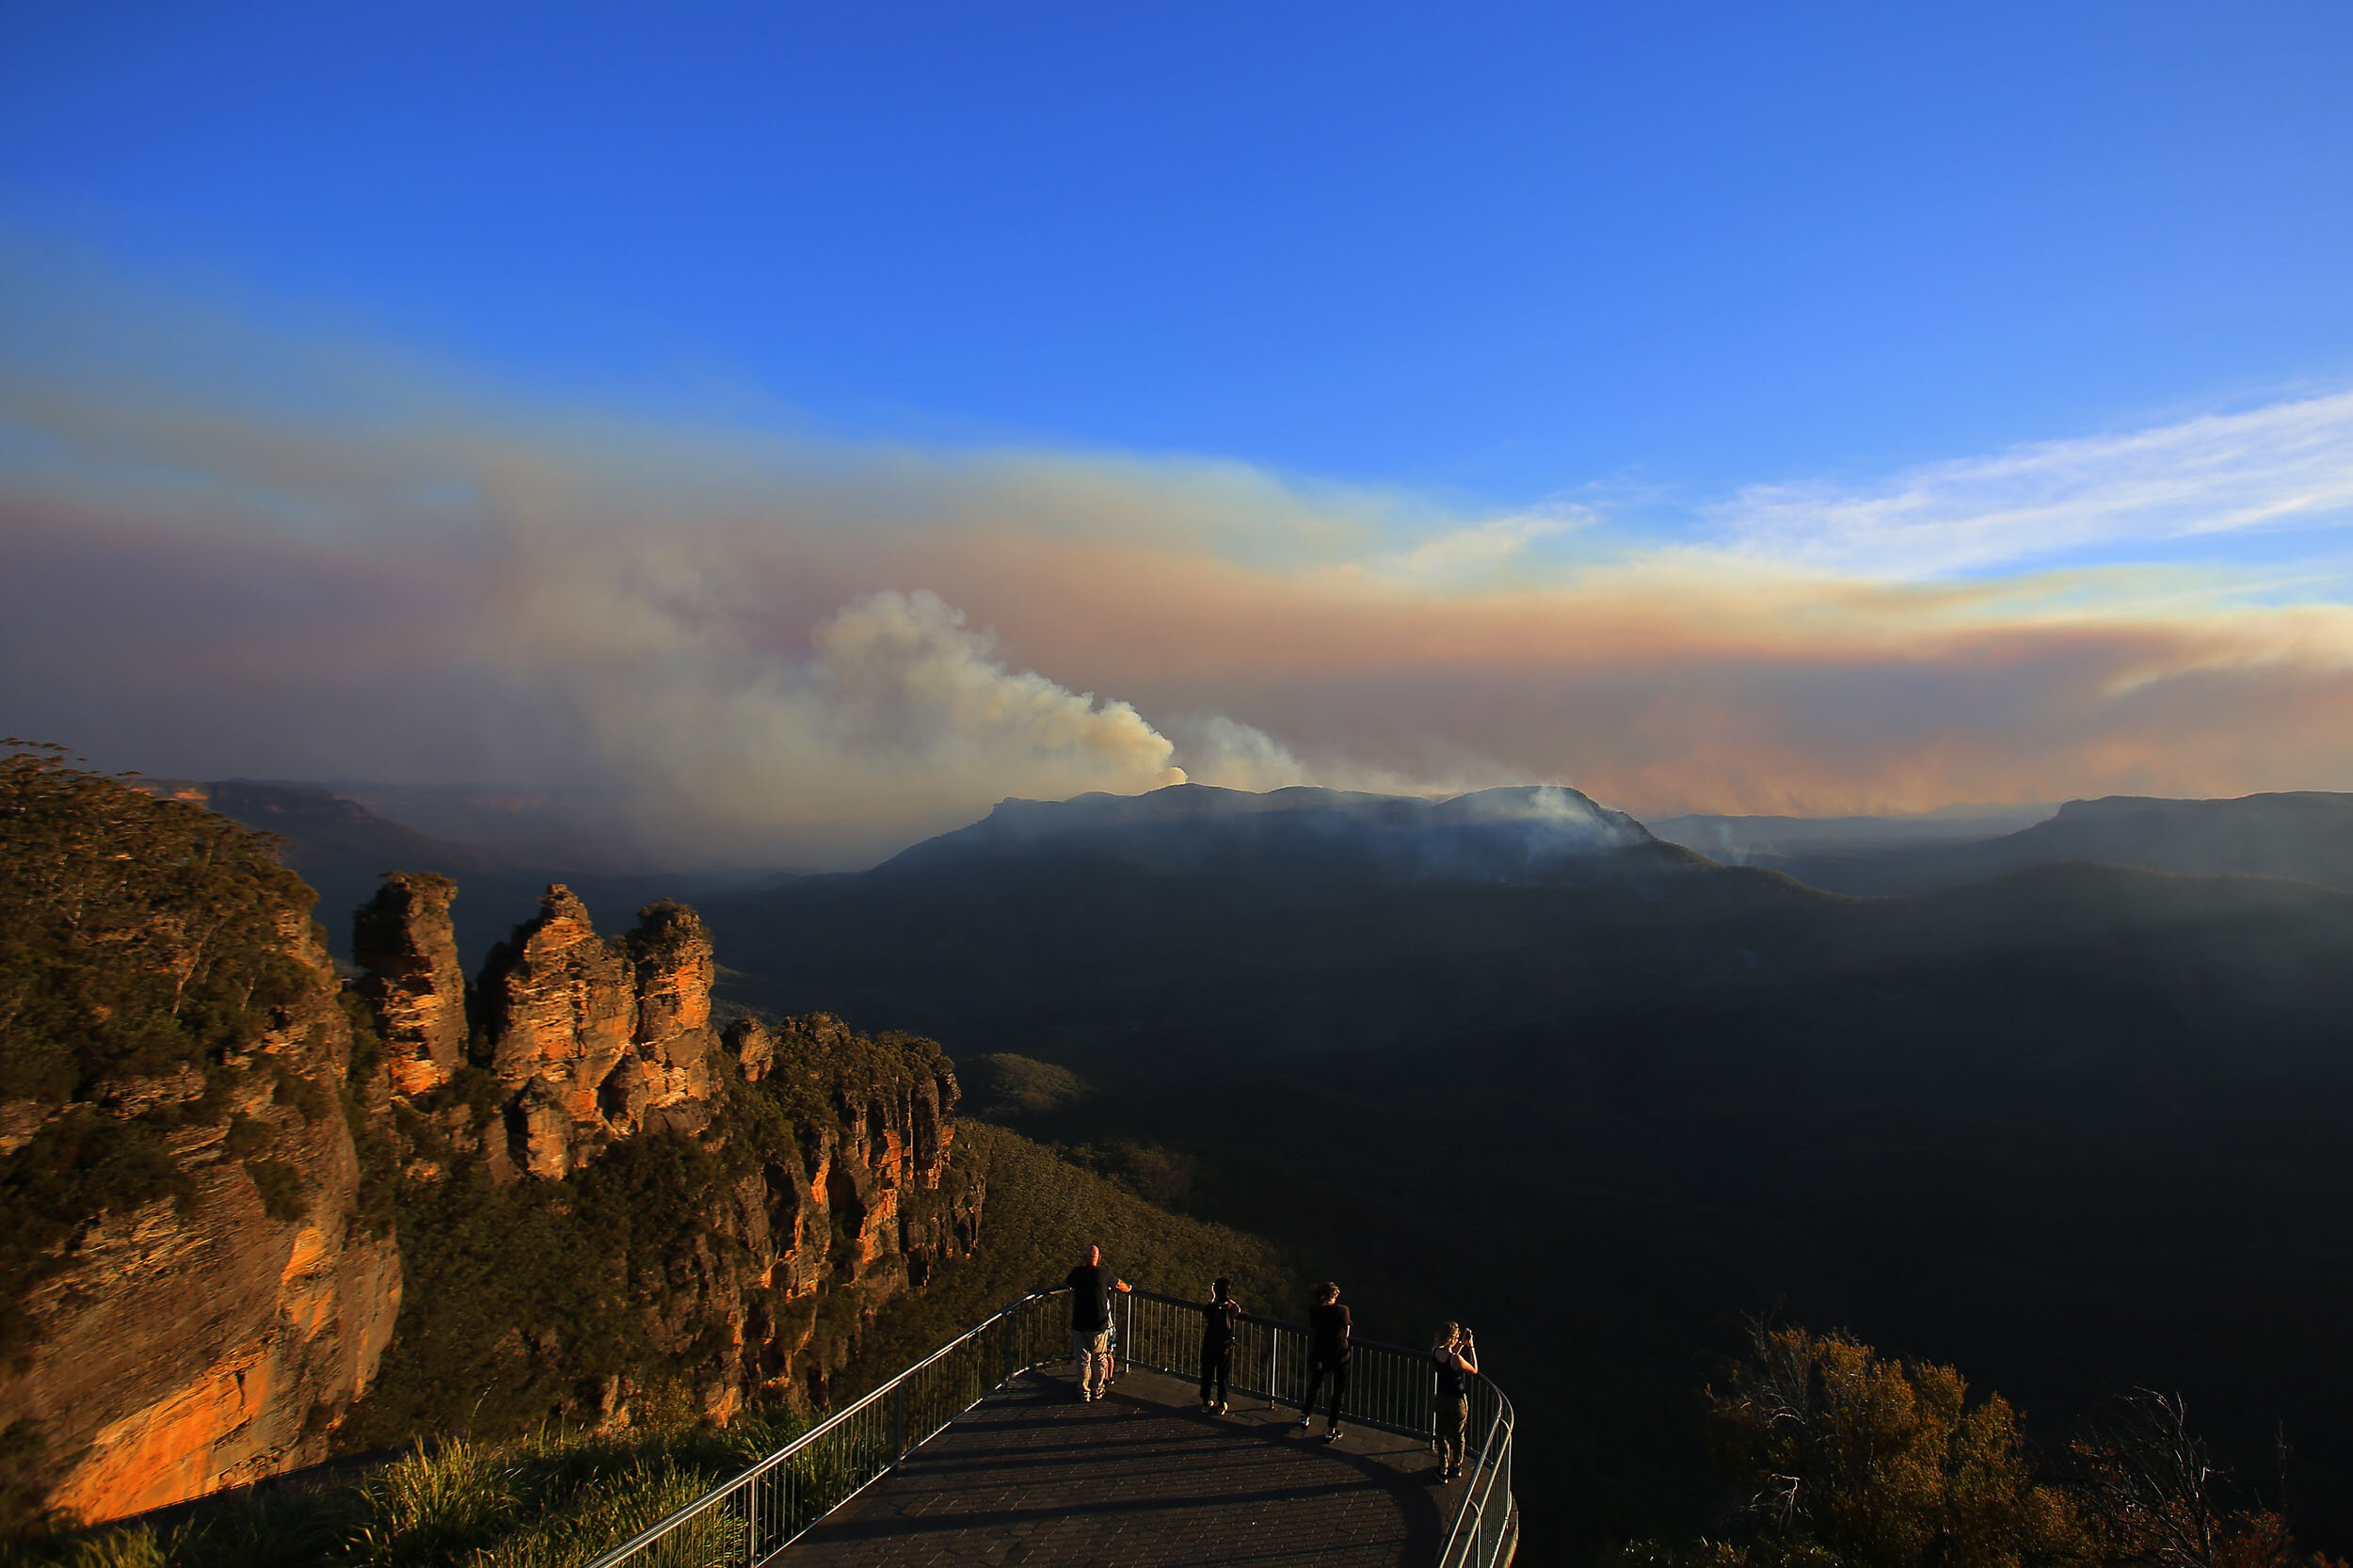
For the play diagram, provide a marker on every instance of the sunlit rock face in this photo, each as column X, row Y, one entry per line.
column 195, row 1344
column 562, row 1012
column 879, row 1135
column 406, row 942
column 840, row 1192
column 816, row 1240
column 589, row 1040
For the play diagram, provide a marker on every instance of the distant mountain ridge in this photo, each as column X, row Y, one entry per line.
column 343, row 849
column 319, row 824
column 1770, row 840
column 2306, row 835
column 1532, row 833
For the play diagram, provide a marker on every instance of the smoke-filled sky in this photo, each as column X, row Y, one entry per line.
column 825, row 431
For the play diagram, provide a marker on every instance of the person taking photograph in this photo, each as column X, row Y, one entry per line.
column 1456, row 1354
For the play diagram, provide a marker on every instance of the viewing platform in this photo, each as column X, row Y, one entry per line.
column 1141, row 1477
column 983, row 1453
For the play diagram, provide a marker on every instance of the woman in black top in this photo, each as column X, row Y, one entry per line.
column 1457, row 1357
column 1327, row 1356
column 1219, row 1315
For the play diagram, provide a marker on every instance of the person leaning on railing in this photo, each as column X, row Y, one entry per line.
column 1456, row 1354
column 1091, row 1287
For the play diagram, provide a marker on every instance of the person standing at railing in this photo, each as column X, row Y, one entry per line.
column 1327, row 1357
column 1219, row 1316
column 1456, row 1354
column 1091, row 1286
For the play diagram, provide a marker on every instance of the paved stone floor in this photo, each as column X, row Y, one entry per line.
column 1139, row 1479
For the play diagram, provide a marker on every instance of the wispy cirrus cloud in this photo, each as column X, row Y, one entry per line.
column 2285, row 466
column 1483, row 552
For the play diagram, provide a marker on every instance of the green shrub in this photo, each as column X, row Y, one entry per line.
column 140, row 945
column 137, row 934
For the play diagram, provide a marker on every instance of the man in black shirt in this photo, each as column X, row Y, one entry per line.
column 1219, row 1316
column 1091, row 1286
column 1327, row 1356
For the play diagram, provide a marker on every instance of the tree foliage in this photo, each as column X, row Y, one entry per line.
column 137, row 936
column 1843, row 1458
column 1885, row 1464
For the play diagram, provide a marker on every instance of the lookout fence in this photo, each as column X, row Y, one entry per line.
column 752, row 1518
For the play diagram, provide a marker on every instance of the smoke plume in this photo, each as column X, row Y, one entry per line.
column 232, row 553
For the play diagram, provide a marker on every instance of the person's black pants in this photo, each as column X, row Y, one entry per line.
column 1317, row 1372
column 1215, row 1359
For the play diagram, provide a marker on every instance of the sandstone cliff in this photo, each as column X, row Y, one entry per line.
column 405, row 940
column 605, row 1211
column 608, row 1210
column 592, row 1040
column 196, row 1289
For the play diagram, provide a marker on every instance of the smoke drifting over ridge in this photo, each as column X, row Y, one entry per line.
column 294, row 562
column 902, row 719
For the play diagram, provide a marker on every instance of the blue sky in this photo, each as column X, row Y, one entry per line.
column 830, row 420
column 1502, row 252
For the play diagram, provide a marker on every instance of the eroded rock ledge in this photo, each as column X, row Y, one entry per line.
column 807, row 1169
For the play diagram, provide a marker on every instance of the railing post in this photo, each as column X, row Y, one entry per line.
column 1128, row 1336
column 751, row 1521
column 1273, row 1367
column 898, row 1422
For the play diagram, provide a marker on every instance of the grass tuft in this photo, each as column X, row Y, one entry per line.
column 554, row 1496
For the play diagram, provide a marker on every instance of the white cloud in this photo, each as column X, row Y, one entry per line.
column 2289, row 465
column 1497, row 544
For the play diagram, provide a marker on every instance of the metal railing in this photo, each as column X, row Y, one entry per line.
column 1391, row 1388
column 752, row 1518
column 1486, row 1529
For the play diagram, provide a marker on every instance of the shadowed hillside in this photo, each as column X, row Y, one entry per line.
column 342, row 850
column 1541, row 833
column 2072, row 1126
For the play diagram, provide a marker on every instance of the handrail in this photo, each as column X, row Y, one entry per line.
column 754, row 1517
column 1394, row 1388
column 773, row 1501
column 1390, row 1386
column 1188, row 1303
column 1485, row 1532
